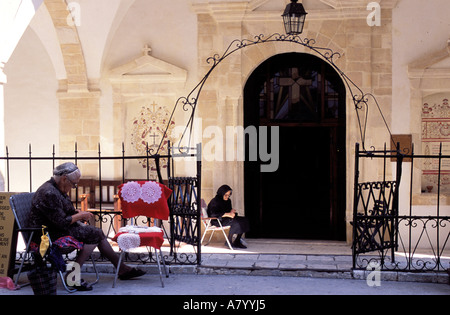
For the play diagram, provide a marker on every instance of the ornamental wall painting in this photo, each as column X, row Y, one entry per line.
column 148, row 128
column 436, row 130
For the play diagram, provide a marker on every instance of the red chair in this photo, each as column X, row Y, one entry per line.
column 149, row 199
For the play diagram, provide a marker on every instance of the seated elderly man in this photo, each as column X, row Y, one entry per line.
column 52, row 207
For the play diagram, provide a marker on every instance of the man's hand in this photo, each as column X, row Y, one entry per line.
column 82, row 216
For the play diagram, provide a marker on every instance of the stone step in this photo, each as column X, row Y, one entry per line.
column 312, row 266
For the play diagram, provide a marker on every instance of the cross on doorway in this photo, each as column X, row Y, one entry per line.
column 294, row 83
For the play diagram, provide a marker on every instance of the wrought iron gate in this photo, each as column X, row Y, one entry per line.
column 185, row 217
column 391, row 237
column 375, row 210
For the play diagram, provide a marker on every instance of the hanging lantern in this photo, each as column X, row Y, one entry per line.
column 294, row 18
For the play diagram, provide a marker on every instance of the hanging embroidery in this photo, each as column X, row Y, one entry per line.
column 131, row 192
column 145, row 197
column 151, row 192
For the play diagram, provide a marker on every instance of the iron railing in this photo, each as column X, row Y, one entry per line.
column 109, row 220
column 394, row 237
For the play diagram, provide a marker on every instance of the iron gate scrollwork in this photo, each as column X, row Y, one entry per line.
column 394, row 238
column 375, row 210
column 375, row 226
column 185, row 218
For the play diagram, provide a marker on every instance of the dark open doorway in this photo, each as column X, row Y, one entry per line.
column 305, row 198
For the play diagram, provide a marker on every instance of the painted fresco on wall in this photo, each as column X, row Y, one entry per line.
column 436, row 130
column 147, row 127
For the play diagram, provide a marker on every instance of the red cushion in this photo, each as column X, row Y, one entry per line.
column 153, row 239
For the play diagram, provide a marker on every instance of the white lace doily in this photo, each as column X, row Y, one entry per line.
column 131, row 192
column 128, row 241
column 151, row 192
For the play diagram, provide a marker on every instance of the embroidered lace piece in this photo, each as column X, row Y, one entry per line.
column 151, row 192
column 131, row 192
column 128, row 241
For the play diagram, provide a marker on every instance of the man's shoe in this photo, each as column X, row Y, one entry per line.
column 132, row 273
column 84, row 286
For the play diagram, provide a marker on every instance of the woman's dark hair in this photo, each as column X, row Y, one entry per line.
column 223, row 190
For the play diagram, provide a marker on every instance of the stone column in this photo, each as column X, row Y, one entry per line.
column 80, row 123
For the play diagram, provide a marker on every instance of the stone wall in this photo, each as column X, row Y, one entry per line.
column 366, row 58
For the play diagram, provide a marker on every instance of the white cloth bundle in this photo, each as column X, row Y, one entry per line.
column 139, row 229
column 128, row 241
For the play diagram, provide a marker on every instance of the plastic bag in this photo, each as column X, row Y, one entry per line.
column 45, row 243
column 7, row 283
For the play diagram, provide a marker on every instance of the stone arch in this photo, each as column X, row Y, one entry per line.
column 69, row 40
column 253, row 56
column 79, row 104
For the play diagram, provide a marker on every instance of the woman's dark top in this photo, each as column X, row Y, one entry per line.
column 54, row 209
column 217, row 207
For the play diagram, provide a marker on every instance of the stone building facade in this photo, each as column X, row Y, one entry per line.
column 86, row 72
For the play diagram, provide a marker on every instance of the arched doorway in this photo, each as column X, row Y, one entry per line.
column 305, row 198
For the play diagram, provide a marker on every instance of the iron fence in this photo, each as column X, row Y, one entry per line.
column 399, row 236
column 186, row 190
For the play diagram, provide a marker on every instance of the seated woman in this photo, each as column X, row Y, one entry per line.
column 220, row 207
column 51, row 206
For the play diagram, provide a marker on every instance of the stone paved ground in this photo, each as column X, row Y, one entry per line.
column 313, row 272
column 236, row 286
